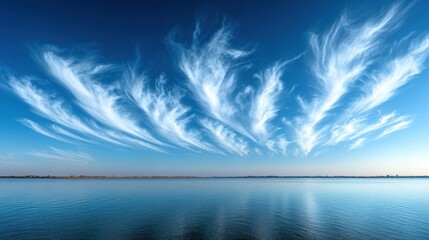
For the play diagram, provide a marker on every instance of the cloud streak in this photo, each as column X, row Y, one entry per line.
column 341, row 56
column 397, row 73
column 101, row 102
column 382, row 86
column 164, row 110
column 62, row 155
column 54, row 110
column 211, row 68
column 226, row 138
column 41, row 130
column 264, row 105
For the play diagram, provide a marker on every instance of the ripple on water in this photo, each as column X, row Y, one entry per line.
column 214, row 209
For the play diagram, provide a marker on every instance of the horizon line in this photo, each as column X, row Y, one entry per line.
column 190, row 177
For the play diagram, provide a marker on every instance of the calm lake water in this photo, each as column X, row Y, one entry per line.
column 214, row 209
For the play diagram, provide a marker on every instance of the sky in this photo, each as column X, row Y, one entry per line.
column 214, row 88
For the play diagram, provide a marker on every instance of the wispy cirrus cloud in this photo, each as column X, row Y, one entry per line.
column 101, row 102
column 381, row 86
column 164, row 109
column 226, row 138
column 63, row 155
column 392, row 126
column 404, row 123
column 211, row 68
column 66, row 133
column 361, row 128
column 265, row 103
column 277, row 145
column 47, row 106
column 341, row 56
column 41, row 130
column 358, row 143
column 386, row 82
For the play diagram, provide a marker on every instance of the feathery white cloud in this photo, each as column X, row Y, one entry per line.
column 164, row 109
column 341, row 56
column 41, row 130
column 278, row 145
column 398, row 126
column 380, row 88
column 397, row 73
column 358, row 143
column 47, row 106
column 66, row 133
column 359, row 127
column 264, row 105
column 226, row 138
column 101, row 102
column 211, row 70
column 58, row 154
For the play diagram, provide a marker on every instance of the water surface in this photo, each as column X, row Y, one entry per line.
column 214, row 208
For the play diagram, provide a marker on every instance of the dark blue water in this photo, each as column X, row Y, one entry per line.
column 214, row 209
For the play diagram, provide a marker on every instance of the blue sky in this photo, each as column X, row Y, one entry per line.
column 214, row 88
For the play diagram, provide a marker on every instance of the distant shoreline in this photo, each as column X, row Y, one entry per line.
column 193, row 177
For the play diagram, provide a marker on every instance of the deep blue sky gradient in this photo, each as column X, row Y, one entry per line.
column 276, row 30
